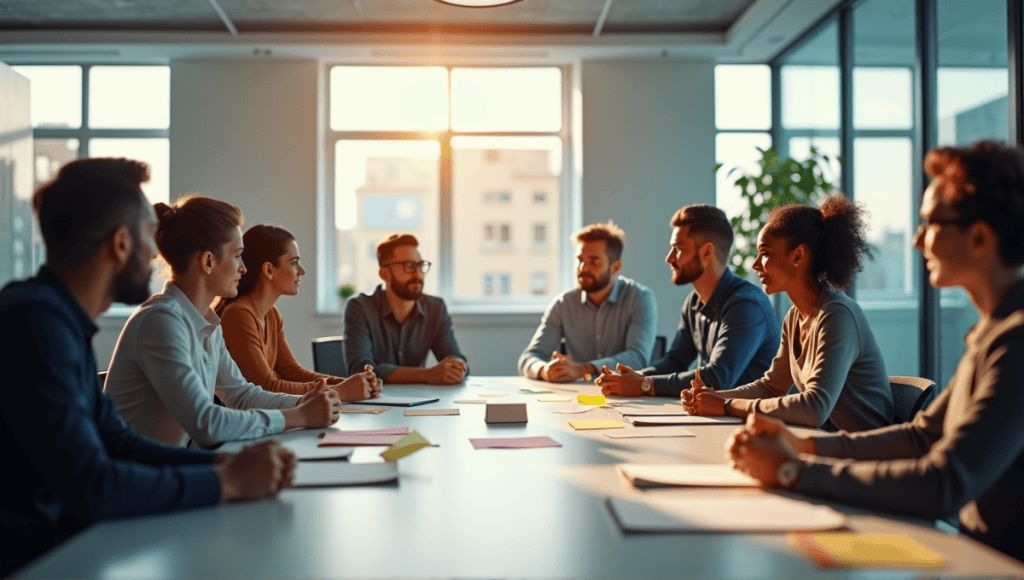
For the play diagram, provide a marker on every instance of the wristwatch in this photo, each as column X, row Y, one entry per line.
column 789, row 471
column 647, row 385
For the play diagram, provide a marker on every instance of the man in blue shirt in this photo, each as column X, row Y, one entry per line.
column 71, row 460
column 608, row 319
column 726, row 321
column 395, row 328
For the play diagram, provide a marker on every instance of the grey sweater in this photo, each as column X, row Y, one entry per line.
column 837, row 369
column 964, row 452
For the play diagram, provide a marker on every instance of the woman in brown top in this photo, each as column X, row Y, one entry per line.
column 253, row 329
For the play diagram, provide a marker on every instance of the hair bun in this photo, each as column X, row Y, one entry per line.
column 164, row 212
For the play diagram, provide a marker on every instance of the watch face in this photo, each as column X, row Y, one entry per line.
column 646, row 384
column 787, row 473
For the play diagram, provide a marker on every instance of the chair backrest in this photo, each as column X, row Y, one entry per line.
column 329, row 356
column 910, row 395
column 659, row 348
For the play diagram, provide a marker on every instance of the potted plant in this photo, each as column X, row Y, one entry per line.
column 345, row 291
column 779, row 182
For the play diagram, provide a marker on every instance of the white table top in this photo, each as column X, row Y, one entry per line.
column 460, row 512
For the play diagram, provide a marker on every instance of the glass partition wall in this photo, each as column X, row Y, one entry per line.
column 879, row 82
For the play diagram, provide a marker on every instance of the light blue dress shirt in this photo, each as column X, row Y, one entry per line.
column 621, row 330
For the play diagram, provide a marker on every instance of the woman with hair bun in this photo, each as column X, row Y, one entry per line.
column 254, row 330
column 828, row 351
column 170, row 358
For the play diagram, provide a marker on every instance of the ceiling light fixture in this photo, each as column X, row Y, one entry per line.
column 477, row 3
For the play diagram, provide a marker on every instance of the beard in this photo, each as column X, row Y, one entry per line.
column 590, row 283
column 131, row 286
column 688, row 272
column 404, row 291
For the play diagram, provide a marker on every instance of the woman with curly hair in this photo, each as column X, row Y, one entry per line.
column 828, row 351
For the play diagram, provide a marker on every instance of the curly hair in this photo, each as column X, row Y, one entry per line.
column 834, row 233
column 984, row 182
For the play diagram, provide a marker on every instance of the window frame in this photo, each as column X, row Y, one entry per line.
column 569, row 205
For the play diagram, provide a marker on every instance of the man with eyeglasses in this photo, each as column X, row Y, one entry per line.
column 394, row 328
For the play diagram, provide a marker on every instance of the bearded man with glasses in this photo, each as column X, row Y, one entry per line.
column 394, row 328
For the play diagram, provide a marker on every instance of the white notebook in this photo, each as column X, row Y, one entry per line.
column 335, row 473
column 762, row 513
column 302, row 443
column 685, row 474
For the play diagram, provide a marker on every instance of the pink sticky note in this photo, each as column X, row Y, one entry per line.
column 391, row 431
column 514, row 443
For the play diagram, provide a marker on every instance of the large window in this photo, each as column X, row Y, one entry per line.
column 470, row 160
column 882, row 138
column 101, row 111
column 743, row 117
column 98, row 111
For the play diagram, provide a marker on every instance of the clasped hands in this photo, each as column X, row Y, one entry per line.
column 449, row 371
column 761, row 445
column 562, row 369
column 364, row 385
column 701, row 399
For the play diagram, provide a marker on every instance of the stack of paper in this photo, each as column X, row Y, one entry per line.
column 514, row 443
column 367, row 437
column 640, row 421
column 685, row 474
column 336, row 473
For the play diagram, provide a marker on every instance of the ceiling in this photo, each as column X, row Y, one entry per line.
column 249, row 16
column 539, row 30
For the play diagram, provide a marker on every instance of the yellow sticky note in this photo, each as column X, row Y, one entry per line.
column 596, row 424
column 591, row 399
column 405, row 446
column 846, row 550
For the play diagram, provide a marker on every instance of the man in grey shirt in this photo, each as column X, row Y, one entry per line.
column 607, row 319
column 727, row 323
column 394, row 328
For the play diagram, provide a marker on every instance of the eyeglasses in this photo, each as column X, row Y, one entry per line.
column 923, row 223
column 410, row 266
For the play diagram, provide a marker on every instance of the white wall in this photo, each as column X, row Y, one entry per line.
column 245, row 130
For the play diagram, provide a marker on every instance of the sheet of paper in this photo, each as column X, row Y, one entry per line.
column 389, row 431
column 684, row 474
column 683, row 420
column 342, row 439
column 304, row 444
column 405, row 446
column 391, row 401
column 363, row 409
column 748, row 514
column 591, row 399
column 466, row 401
column 555, row 399
column 430, row 412
column 847, row 550
column 536, row 390
column 581, row 424
column 335, row 473
column 643, row 432
column 514, row 443
column 668, row 410
column 573, row 409
column 491, row 394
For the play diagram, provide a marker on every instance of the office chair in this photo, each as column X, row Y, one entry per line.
column 329, row 356
column 660, row 343
column 910, row 395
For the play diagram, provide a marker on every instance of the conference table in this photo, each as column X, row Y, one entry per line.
column 456, row 512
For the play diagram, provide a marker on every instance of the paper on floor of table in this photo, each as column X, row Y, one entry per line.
column 684, row 474
column 392, row 401
column 362, row 409
column 459, row 401
column 748, row 514
column 493, row 394
column 555, row 399
column 641, row 432
column 847, row 550
column 388, row 431
column 514, row 443
column 342, row 439
column 573, row 409
column 581, row 424
column 536, row 390
column 405, row 446
column 430, row 412
column 335, row 473
column 591, row 399
column 667, row 410
column 682, row 420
